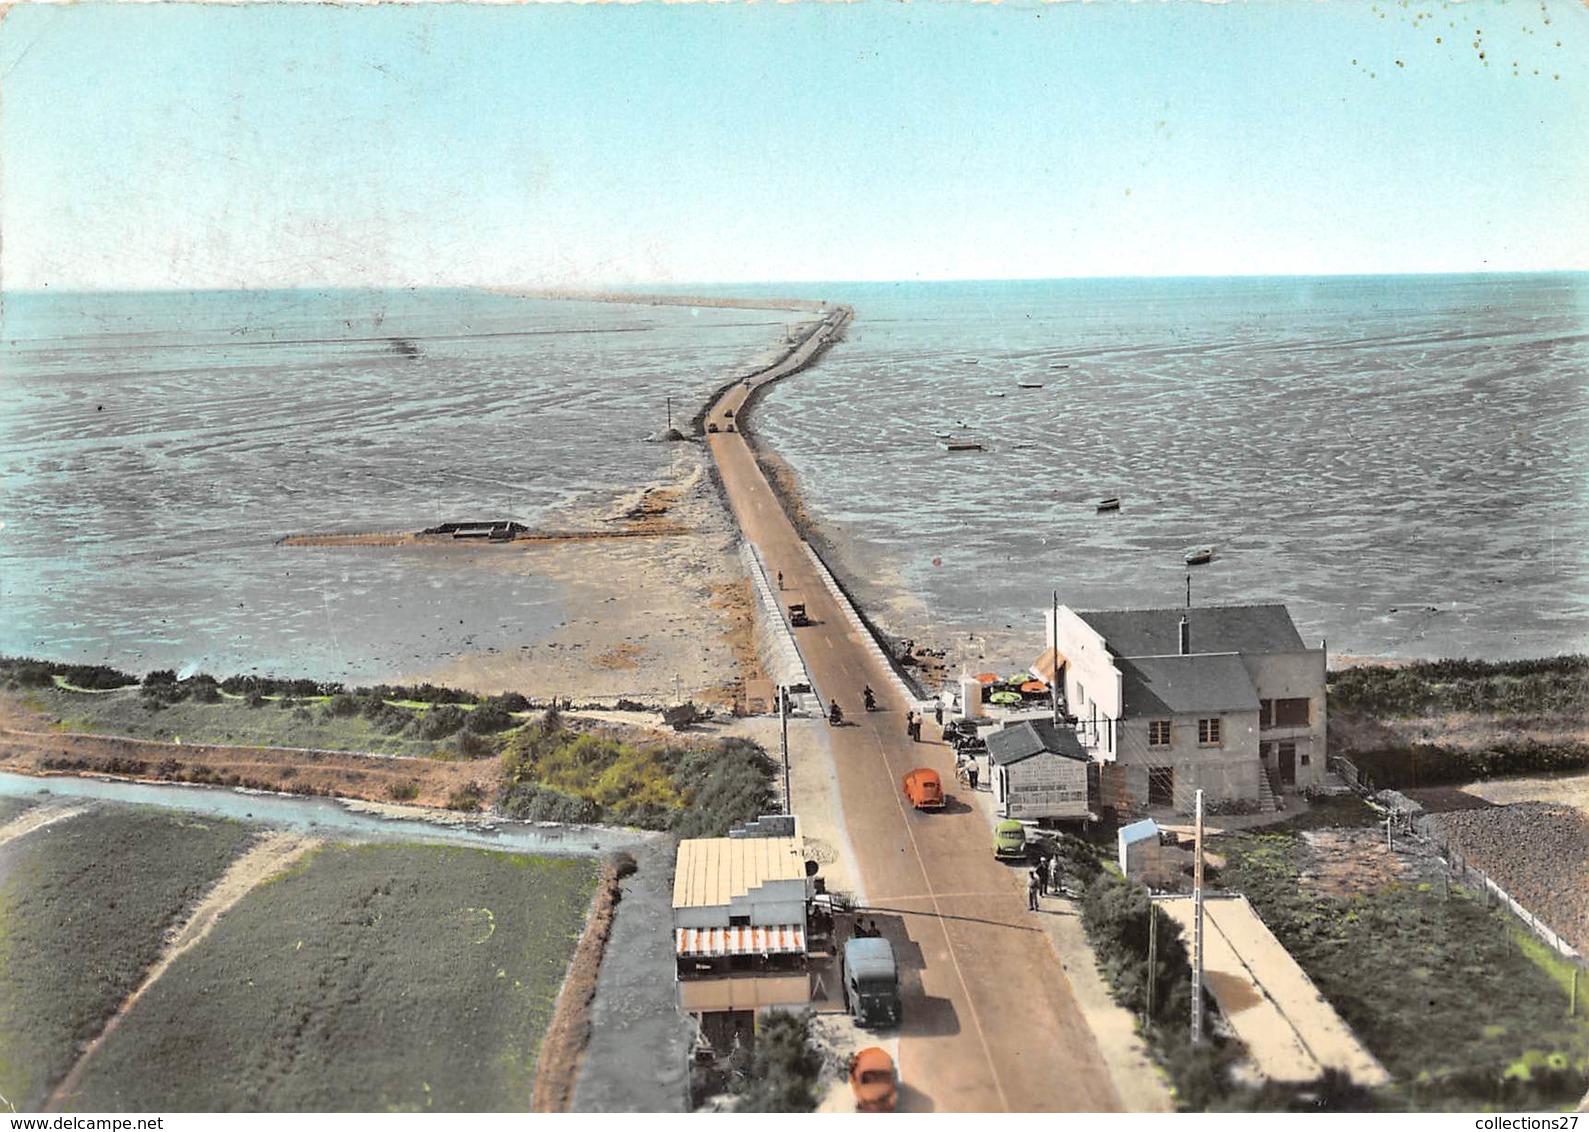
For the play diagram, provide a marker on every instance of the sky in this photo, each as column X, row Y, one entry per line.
column 577, row 145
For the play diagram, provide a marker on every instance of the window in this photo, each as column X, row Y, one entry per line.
column 1208, row 732
column 1293, row 712
column 1158, row 733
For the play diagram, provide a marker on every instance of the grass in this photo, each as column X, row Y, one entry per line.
column 1440, row 988
column 11, row 807
column 83, row 909
column 369, row 978
column 554, row 773
column 278, row 723
column 1523, row 687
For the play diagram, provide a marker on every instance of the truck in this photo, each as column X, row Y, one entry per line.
column 871, row 981
column 924, row 788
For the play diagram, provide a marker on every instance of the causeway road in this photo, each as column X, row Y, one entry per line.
column 990, row 1020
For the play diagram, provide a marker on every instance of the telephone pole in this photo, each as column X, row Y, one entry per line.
column 1197, row 926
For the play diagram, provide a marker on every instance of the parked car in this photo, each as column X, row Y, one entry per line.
column 1009, row 840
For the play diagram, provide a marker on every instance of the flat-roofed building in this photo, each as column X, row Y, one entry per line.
column 739, row 927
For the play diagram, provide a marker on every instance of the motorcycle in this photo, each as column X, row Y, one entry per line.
column 871, row 700
column 835, row 714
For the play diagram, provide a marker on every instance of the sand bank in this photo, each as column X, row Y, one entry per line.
column 651, row 619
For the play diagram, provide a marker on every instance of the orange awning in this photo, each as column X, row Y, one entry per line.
column 773, row 939
column 1034, row 686
column 1045, row 667
column 987, row 678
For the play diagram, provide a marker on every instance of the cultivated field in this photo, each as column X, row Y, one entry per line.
column 84, row 905
column 368, row 978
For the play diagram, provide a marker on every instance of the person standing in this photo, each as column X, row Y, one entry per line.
column 972, row 773
column 937, row 713
column 1053, row 876
column 1031, row 891
column 910, row 725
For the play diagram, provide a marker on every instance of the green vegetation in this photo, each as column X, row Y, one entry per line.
column 1426, row 764
column 781, row 1073
column 370, row 978
column 1438, row 986
column 554, row 773
column 1521, row 687
column 197, row 712
column 11, row 807
column 83, row 911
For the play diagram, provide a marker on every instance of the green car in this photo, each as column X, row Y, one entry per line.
column 1009, row 840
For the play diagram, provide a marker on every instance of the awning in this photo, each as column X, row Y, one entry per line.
column 1044, row 668
column 773, row 939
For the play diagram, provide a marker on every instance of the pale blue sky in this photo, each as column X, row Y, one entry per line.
column 303, row 145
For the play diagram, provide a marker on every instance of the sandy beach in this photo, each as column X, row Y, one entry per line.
column 657, row 620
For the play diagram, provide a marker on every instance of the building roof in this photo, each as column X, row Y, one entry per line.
column 1139, row 831
column 711, row 871
column 1033, row 737
column 1213, row 628
column 1184, row 685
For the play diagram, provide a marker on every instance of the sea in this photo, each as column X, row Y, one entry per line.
column 1399, row 460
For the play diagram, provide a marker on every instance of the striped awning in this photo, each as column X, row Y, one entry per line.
column 774, row 939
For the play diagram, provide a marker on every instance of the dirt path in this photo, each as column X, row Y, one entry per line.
column 38, row 817
column 272, row 854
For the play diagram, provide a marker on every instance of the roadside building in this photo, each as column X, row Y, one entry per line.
column 1038, row 771
column 1226, row 699
column 739, row 926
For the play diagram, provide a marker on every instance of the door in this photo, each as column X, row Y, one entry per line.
column 1161, row 786
column 1288, row 762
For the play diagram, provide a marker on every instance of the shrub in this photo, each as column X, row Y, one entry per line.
column 403, row 791
column 489, row 718
column 467, row 797
column 437, row 722
column 784, row 1068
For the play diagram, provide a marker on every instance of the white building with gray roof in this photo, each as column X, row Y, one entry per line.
column 1226, row 699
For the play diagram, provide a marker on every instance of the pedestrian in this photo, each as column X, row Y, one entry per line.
column 972, row 773
column 910, row 725
column 1031, row 891
column 780, row 579
column 1041, row 873
column 915, row 730
column 1054, row 884
column 937, row 713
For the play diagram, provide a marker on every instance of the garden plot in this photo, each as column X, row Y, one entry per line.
column 84, row 906
column 368, row 978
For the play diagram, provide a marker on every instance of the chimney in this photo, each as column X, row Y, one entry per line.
column 1186, row 638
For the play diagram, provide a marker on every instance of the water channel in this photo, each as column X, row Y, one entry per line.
column 326, row 817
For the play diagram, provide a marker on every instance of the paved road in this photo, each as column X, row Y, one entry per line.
column 990, row 1021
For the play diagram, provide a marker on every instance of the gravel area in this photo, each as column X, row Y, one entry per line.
column 1537, row 851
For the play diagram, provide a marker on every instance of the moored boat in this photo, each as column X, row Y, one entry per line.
column 960, row 446
column 1110, row 504
column 1202, row 556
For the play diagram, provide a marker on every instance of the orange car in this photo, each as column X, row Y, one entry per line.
column 872, row 1080
column 924, row 789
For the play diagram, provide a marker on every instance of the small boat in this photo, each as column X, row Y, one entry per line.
column 1028, row 385
column 1059, row 365
column 970, row 361
column 942, row 435
column 1202, row 556
column 960, row 446
column 995, row 393
column 1110, row 504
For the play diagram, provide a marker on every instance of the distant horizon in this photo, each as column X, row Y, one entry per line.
column 531, row 290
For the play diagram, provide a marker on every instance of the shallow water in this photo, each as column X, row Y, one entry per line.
column 1399, row 460
column 154, row 447
column 324, row 817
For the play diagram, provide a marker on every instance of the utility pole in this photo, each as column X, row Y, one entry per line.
column 1188, row 589
column 670, row 412
column 1053, row 656
column 783, row 713
column 1153, row 957
column 1197, row 926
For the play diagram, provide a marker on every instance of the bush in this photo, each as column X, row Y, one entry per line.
column 489, row 718
column 437, row 722
column 468, row 797
column 783, row 1069
column 403, row 791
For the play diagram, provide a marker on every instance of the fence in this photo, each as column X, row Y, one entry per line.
column 1423, row 825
